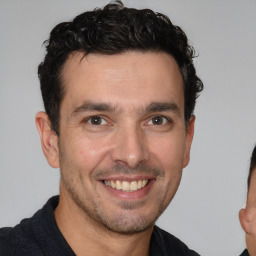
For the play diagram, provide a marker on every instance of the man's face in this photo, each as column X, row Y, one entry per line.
column 123, row 141
column 248, row 216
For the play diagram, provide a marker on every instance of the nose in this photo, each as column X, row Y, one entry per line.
column 130, row 147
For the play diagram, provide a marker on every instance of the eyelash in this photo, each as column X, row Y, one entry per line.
column 167, row 119
column 102, row 119
column 89, row 120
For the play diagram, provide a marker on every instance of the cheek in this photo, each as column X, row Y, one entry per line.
column 86, row 153
column 169, row 152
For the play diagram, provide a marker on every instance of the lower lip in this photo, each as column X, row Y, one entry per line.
column 133, row 195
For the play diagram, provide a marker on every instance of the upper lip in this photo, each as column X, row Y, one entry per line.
column 127, row 178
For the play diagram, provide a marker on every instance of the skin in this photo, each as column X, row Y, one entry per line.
column 247, row 216
column 133, row 89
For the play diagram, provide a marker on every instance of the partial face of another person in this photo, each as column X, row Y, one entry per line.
column 123, row 141
column 247, row 216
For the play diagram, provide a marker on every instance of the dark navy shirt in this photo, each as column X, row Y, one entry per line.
column 40, row 235
column 245, row 253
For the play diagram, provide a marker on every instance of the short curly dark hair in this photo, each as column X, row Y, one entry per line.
column 252, row 166
column 112, row 30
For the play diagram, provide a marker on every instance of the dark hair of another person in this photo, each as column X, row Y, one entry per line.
column 252, row 166
column 112, row 30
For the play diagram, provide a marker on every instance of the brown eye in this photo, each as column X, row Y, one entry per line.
column 96, row 120
column 158, row 120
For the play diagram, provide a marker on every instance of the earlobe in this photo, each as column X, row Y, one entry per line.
column 189, row 138
column 49, row 139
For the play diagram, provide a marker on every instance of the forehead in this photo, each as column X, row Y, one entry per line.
column 131, row 78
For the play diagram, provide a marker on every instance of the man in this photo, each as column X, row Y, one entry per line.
column 247, row 216
column 119, row 89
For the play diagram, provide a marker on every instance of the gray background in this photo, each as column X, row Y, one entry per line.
column 204, row 213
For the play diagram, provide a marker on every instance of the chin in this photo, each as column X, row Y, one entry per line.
column 127, row 226
column 127, row 221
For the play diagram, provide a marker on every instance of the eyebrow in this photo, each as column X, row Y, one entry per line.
column 90, row 106
column 105, row 107
column 162, row 107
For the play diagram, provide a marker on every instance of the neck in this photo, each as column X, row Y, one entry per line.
column 88, row 237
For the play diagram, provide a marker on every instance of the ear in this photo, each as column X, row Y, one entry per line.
column 189, row 138
column 244, row 221
column 247, row 219
column 49, row 139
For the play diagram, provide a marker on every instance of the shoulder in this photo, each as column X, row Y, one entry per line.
column 5, row 245
column 18, row 240
column 26, row 237
column 245, row 253
column 169, row 244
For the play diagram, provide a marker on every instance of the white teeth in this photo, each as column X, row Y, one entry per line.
column 113, row 184
column 133, row 186
column 107, row 183
column 139, row 184
column 118, row 185
column 126, row 185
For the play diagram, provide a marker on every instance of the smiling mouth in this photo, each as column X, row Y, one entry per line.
column 127, row 186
